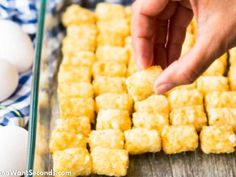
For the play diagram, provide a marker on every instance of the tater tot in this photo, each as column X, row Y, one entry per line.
column 224, row 59
column 109, row 85
column 153, row 104
column 109, row 68
column 222, row 116
column 180, row 98
column 140, row 84
column 110, row 39
column 61, row 140
column 80, row 58
column 189, row 115
column 75, row 90
column 119, row 27
column 77, row 107
column 113, row 119
column 128, row 45
column 77, row 161
column 232, row 56
column 140, row 140
column 71, row 45
column 179, row 138
column 217, row 68
column 88, row 31
column 220, row 99
column 128, row 14
column 217, row 139
column 184, row 87
column 106, row 138
column 128, row 40
column 109, row 12
column 206, row 84
column 114, row 101
column 75, row 125
column 74, row 74
column 232, row 71
column 110, row 162
column 151, row 121
column 232, row 77
column 106, row 53
column 76, row 15
column 232, row 82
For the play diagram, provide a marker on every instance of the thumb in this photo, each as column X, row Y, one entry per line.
column 189, row 67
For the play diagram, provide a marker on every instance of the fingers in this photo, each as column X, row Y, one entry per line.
column 144, row 13
column 186, row 69
column 211, row 42
column 159, row 42
column 177, row 31
column 152, row 7
column 161, row 33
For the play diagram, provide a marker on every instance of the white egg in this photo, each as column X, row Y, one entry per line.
column 9, row 79
column 15, row 46
column 13, row 149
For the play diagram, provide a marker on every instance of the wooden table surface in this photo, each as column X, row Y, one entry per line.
column 190, row 164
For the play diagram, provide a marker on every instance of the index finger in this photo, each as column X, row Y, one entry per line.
column 144, row 13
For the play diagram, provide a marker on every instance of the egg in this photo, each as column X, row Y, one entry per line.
column 15, row 46
column 13, row 149
column 9, row 79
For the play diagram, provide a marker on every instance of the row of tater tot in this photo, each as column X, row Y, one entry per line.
column 106, row 147
column 100, row 67
column 113, row 105
column 112, row 26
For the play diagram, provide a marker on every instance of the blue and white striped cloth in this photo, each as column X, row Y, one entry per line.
column 24, row 12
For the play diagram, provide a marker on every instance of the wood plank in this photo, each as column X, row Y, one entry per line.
column 150, row 165
column 190, row 164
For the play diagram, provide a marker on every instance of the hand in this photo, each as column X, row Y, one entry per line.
column 158, row 32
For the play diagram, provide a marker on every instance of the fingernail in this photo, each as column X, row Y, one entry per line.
column 164, row 87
